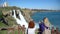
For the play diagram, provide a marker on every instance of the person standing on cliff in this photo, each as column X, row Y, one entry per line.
column 42, row 27
column 31, row 28
column 47, row 24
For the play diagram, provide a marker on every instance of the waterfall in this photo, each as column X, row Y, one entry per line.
column 20, row 21
column 14, row 15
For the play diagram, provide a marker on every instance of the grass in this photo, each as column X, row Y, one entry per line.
column 3, row 32
column 6, row 32
column 2, row 25
column 15, row 32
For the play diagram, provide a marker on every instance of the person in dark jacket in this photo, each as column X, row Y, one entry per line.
column 42, row 27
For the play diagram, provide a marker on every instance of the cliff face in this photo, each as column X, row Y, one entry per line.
column 10, row 20
column 26, row 14
column 5, row 18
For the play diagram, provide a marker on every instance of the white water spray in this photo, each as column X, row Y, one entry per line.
column 14, row 15
column 20, row 21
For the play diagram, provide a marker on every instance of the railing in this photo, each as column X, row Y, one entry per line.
column 12, row 30
column 19, row 28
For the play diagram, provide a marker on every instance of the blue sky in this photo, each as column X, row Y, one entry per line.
column 36, row 4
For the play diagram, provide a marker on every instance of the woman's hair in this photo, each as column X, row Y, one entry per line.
column 44, row 19
column 31, row 24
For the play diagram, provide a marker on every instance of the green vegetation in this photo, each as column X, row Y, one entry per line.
column 2, row 25
column 3, row 12
column 3, row 32
column 6, row 32
column 11, row 21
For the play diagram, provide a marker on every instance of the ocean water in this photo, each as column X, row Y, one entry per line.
column 54, row 18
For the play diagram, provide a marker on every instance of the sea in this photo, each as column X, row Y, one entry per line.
column 53, row 17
